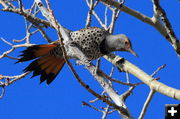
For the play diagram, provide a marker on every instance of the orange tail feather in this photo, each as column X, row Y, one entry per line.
column 46, row 64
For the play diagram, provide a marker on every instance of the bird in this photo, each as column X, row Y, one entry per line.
column 84, row 45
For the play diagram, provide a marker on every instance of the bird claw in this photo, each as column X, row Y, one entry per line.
column 80, row 62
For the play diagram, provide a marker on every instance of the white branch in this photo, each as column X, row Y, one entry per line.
column 149, row 98
column 109, row 90
column 126, row 66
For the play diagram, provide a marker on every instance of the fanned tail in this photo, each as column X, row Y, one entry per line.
column 45, row 64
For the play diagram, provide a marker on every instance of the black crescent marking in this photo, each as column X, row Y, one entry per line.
column 103, row 49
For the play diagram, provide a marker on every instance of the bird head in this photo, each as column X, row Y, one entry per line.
column 120, row 42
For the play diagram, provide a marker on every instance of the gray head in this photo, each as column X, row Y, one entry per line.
column 119, row 42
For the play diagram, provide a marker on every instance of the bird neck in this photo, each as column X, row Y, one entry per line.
column 103, row 47
column 110, row 43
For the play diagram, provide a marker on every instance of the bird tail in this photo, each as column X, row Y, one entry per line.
column 45, row 63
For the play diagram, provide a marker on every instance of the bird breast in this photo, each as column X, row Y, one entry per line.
column 89, row 41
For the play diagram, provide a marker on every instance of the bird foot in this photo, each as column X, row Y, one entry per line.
column 80, row 62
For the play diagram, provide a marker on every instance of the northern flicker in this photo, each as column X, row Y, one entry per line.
column 85, row 45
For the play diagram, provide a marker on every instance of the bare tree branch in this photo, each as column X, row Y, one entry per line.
column 126, row 66
column 96, row 16
column 108, row 89
column 10, row 80
column 151, row 21
column 105, row 112
column 125, row 95
column 86, row 104
column 167, row 25
column 20, row 5
column 13, row 48
column 115, row 15
column 29, row 17
column 3, row 90
column 88, row 20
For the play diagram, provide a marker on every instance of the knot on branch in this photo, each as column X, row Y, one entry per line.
column 40, row 4
column 121, row 3
column 120, row 63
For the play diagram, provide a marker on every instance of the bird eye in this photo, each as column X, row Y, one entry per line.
column 126, row 42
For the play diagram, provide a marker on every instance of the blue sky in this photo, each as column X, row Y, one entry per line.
column 63, row 98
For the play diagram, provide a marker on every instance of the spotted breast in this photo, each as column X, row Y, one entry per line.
column 90, row 40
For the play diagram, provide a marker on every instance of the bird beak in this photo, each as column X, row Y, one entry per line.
column 132, row 52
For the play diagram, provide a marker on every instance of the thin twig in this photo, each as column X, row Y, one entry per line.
column 118, row 81
column 127, row 77
column 106, row 16
column 31, row 18
column 112, row 71
column 96, row 16
column 43, row 33
column 32, row 7
column 88, row 20
column 7, row 4
column 149, row 98
column 158, row 69
column 28, row 34
column 113, row 20
column 5, row 41
column 86, row 104
column 13, row 48
column 105, row 112
column 98, row 64
column 14, row 78
column 96, row 99
column 20, row 5
column 110, row 75
column 10, row 57
column 125, row 95
column 2, row 92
